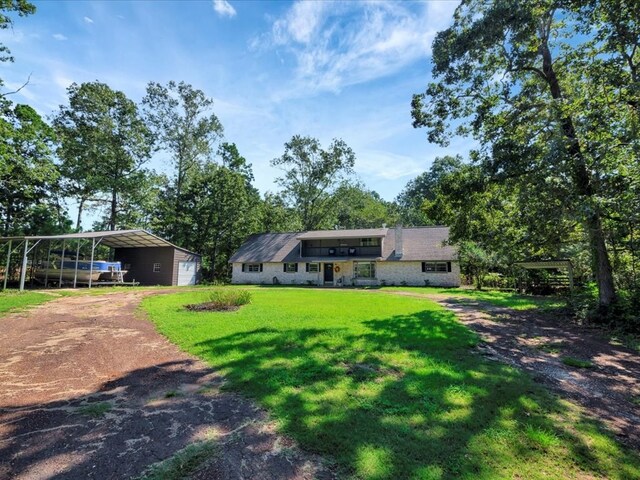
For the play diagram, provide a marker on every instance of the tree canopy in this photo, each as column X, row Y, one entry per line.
column 312, row 175
column 549, row 102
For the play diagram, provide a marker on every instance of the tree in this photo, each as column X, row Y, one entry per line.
column 311, row 177
column 23, row 8
column 221, row 212
column 421, row 188
column 104, row 145
column 357, row 207
column 544, row 98
column 277, row 216
column 182, row 120
column 28, row 175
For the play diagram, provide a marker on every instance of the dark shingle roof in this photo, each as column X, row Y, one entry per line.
column 419, row 243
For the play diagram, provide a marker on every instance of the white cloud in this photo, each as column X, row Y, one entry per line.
column 59, row 36
column 335, row 45
column 386, row 165
column 224, row 8
column 88, row 20
column 301, row 22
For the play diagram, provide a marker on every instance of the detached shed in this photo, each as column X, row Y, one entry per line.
column 147, row 258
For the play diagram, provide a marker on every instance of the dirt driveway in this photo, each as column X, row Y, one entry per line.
column 89, row 389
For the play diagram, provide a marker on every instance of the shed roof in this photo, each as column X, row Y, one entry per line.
column 110, row 238
column 419, row 244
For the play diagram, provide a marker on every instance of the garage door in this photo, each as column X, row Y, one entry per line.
column 187, row 273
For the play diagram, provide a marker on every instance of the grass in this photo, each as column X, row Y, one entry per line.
column 388, row 387
column 552, row 347
column 11, row 300
column 182, row 464
column 493, row 297
column 577, row 363
column 95, row 410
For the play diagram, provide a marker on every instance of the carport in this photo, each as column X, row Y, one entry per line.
column 148, row 259
column 565, row 266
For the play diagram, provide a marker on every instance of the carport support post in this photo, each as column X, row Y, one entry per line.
column 46, row 272
column 61, row 263
column 93, row 249
column 23, row 270
column 75, row 273
column 6, row 270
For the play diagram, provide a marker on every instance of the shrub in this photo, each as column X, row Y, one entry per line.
column 223, row 300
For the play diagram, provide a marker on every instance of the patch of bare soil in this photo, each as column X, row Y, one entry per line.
column 538, row 342
column 211, row 307
column 89, row 389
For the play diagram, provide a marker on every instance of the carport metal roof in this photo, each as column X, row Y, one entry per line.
column 560, row 264
column 110, row 238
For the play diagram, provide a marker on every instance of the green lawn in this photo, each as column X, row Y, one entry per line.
column 13, row 299
column 493, row 297
column 390, row 387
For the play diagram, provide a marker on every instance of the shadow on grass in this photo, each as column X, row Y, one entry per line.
column 407, row 398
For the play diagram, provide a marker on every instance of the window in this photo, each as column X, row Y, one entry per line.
column 368, row 242
column 364, row 269
column 313, row 267
column 290, row 267
column 156, row 267
column 252, row 267
column 436, row 267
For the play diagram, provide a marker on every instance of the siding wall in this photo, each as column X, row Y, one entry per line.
column 182, row 256
column 389, row 272
column 141, row 262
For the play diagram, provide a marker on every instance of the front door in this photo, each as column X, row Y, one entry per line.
column 328, row 272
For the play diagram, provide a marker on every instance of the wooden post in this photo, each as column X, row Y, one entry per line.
column 570, row 272
column 23, row 270
column 6, row 271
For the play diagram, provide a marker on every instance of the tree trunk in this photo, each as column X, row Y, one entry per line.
column 114, row 204
column 602, row 265
column 582, row 180
column 79, row 219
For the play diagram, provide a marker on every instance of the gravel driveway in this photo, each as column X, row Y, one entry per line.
column 89, row 389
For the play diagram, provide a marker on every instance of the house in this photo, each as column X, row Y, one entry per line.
column 377, row 256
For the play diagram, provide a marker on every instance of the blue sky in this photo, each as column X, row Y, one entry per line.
column 274, row 69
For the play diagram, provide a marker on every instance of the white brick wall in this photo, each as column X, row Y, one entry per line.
column 270, row 270
column 412, row 274
column 392, row 273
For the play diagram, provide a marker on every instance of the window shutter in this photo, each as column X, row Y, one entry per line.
column 424, row 268
column 260, row 267
column 296, row 267
column 307, row 266
column 448, row 266
column 243, row 265
column 284, row 267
